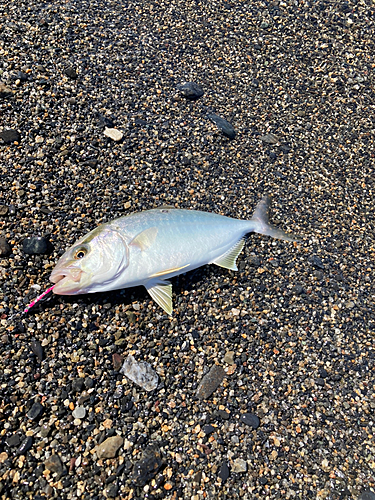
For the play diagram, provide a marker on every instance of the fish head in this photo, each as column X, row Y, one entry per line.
column 92, row 263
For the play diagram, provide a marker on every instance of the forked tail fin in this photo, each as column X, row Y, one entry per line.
column 262, row 224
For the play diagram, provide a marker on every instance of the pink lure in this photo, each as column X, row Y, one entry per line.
column 38, row 299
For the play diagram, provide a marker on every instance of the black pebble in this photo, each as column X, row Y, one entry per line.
column 5, row 248
column 250, row 419
column 316, row 261
column 13, row 440
column 223, row 414
column 22, row 76
column 35, row 245
column 224, row 472
column 77, row 384
column 35, row 411
column 367, row 495
column 37, row 349
column 148, row 466
column 25, row 445
column 71, row 73
column 297, row 290
column 190, row 90
column 208, row 429
column 10, row 136
column 223, row 125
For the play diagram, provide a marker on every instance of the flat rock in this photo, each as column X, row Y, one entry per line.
column 250, row 419
column 25, row 445
column 223, row 125
column 224, row 472
column 141, row 373
column 54, row 464
column 239, row 465
column 269, row 139
column 71, row 73
column 146, row 468
column 35, row 411
column 4, row 90
column 10, row 136
column 37, row 349
column 35, row 246
column 5, row 248
column 190, row 90
column 109, row 447
column 113, row 133
column 210, row 382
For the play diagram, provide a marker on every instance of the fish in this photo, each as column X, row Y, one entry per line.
column 150, row 247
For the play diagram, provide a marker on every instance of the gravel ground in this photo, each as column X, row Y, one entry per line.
column 291, row 414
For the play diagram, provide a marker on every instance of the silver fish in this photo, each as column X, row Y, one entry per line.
column 147, row 248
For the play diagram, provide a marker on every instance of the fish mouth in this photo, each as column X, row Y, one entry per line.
column 66, row 280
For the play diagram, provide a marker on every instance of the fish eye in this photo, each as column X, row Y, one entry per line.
column 80, row 253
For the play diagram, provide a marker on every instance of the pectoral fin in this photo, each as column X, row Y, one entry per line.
column 145, row 239
column 228, row 259
column 161, row 292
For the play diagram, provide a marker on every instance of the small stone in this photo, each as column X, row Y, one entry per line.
column 112, row 490
column 35, row 411
column 224, row 472
column 13, row 440
column 210, row 382
column 190, row 90
column 25, row 445
column 71, row 73
column 316, row 261
column 5, row 249
column 54, row 464
column 3, row 209
column 44, row 430
column 117, row 361
column 141, row 373
column 146, row 468
column 113, row 133
column 10, row 136
column 4, row 90
column 77, row 384
column 22, row 77
column 223, row 125
column 254, row 261
column 224, row 415
column 37, row 349
column 229, row 357
column 269, row 139
column 109, row 447
column 250, row 419
column 208, row 429
column 35, row 246
column 367, row 495
column 79, row 412
column 239, row 465
column 297, row 290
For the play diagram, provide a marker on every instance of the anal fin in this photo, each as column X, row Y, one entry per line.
column 161, row 292
column 228, row 259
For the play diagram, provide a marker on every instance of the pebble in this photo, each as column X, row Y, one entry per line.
column 10, row 136
column 224, row 472
column 109, row 447
column 190, row 90
column 79, row 412
column 210, row 382
column 148, row 466
column 36, row 245
column 250, row 419
column 269, row 139
column 35, row 411
column 113, row 133
column 25, row 445
column 229, row 357
column 5, row 248
column 54, row 464
column 316, row 261
column 141, row 373
column 367, row 495
column 3, row 209
column 13, row 440
column 37, row 349
column 71, row 73
column 239, row 465
column 4, row 90
column 223, row 125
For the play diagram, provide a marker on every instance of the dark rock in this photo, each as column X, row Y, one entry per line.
column 4, row 90
column 316, row 261
column 254, row 261
column 250, row 419
column 5, row 248
column 208, row 429
column 22, row 76
column 222, row 125
column 367, row 495
column 10, row 136
column 297, row 290
column 13, row 440
column 35, row 245
column 104, row 121
column 37, row 349
column 319, row 381
column 112, row 490
column 224, row 415
column 210, row 382
column 25, row 445
column 285, row 149
column 323, row 372
column 78, row 384
column 54, row 464
column 117, row 361
column 224, row 472
column 71, row 73
column 190, row 90
column 35, row 411
column 148, row 466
